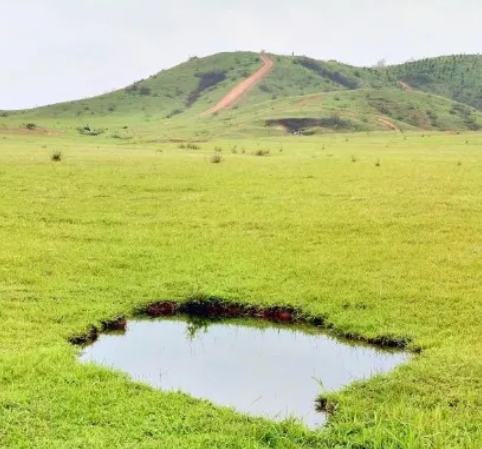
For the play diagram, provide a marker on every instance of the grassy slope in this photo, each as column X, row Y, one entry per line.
column 361, row 109
column 457, row 77
column 378, row 250
column 135, row 112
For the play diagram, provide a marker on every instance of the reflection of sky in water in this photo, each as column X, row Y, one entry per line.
column 269, row 372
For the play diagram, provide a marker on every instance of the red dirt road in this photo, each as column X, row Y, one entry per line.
column 244, row 87
column 405, row 86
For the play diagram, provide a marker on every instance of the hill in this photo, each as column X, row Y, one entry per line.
column 458, row 77
column 324, row 95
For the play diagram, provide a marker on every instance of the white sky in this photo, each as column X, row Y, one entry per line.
column 56, row 50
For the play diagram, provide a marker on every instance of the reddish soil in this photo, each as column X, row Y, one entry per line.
column 244, row 87
column 26, row 132
column 215, row 308
column 405, row 86
column 389, row 124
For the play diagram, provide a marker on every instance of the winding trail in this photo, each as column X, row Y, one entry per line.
column 244, row 86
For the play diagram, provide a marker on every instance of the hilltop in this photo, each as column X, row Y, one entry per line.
column 434, row 94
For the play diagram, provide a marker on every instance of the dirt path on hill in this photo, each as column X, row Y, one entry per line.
column 244, row 86
column 389, row 124
column 405, row 86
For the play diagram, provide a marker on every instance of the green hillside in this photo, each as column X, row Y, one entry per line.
column 458, row 77
column 325, row 95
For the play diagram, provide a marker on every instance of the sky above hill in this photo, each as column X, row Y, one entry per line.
column 57, row 50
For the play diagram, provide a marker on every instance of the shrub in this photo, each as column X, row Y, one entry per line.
column 189, row 146
column 31, row 126
column 261, row 153
column 88, row 131
column 216, row 158
column 57, row 156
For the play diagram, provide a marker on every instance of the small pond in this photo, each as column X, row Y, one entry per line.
column 256, row 367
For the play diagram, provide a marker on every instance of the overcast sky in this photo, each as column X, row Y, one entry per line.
column 56, row 50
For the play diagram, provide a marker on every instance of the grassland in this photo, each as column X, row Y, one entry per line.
column 378, row 234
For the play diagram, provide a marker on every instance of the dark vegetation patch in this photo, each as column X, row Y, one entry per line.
column 325, row 72
column 174, row 112
column 31, row 126
column 88, row 131
column 206, row 81
column 57, row 156
column 138, row 89
column 467, row 114
column 302, row 124
column 201, row 306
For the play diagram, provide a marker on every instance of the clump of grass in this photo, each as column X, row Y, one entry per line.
column 57, row 156
column 261, row 153
column 88, row 131
column 218, row 150
column 216, row 158
column 234, row 150
column 189, row 146
column 31, row 126
column 459, row 163
column 353, row 158
column 378, row 163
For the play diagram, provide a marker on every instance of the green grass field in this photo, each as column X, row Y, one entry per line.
column 378, row 234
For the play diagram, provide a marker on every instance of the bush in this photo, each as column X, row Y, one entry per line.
column 216, row 158
column 261, row 153
column 189, row 146
column 88, row 131
column 57, row 156
column 31, row 126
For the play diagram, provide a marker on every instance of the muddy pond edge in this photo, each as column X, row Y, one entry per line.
column 218, row 308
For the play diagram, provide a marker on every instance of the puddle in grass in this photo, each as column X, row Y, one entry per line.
column 255, row 367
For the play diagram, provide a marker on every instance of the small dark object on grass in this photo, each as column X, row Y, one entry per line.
column 353, row 158
column 216, row 158
column 261, row 153
column 57, row 156
column 31, row 126
column 377, row 163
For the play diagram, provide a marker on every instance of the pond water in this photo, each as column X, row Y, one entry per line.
column 255, row 367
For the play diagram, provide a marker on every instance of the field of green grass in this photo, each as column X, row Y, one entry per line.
column 378, row 234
